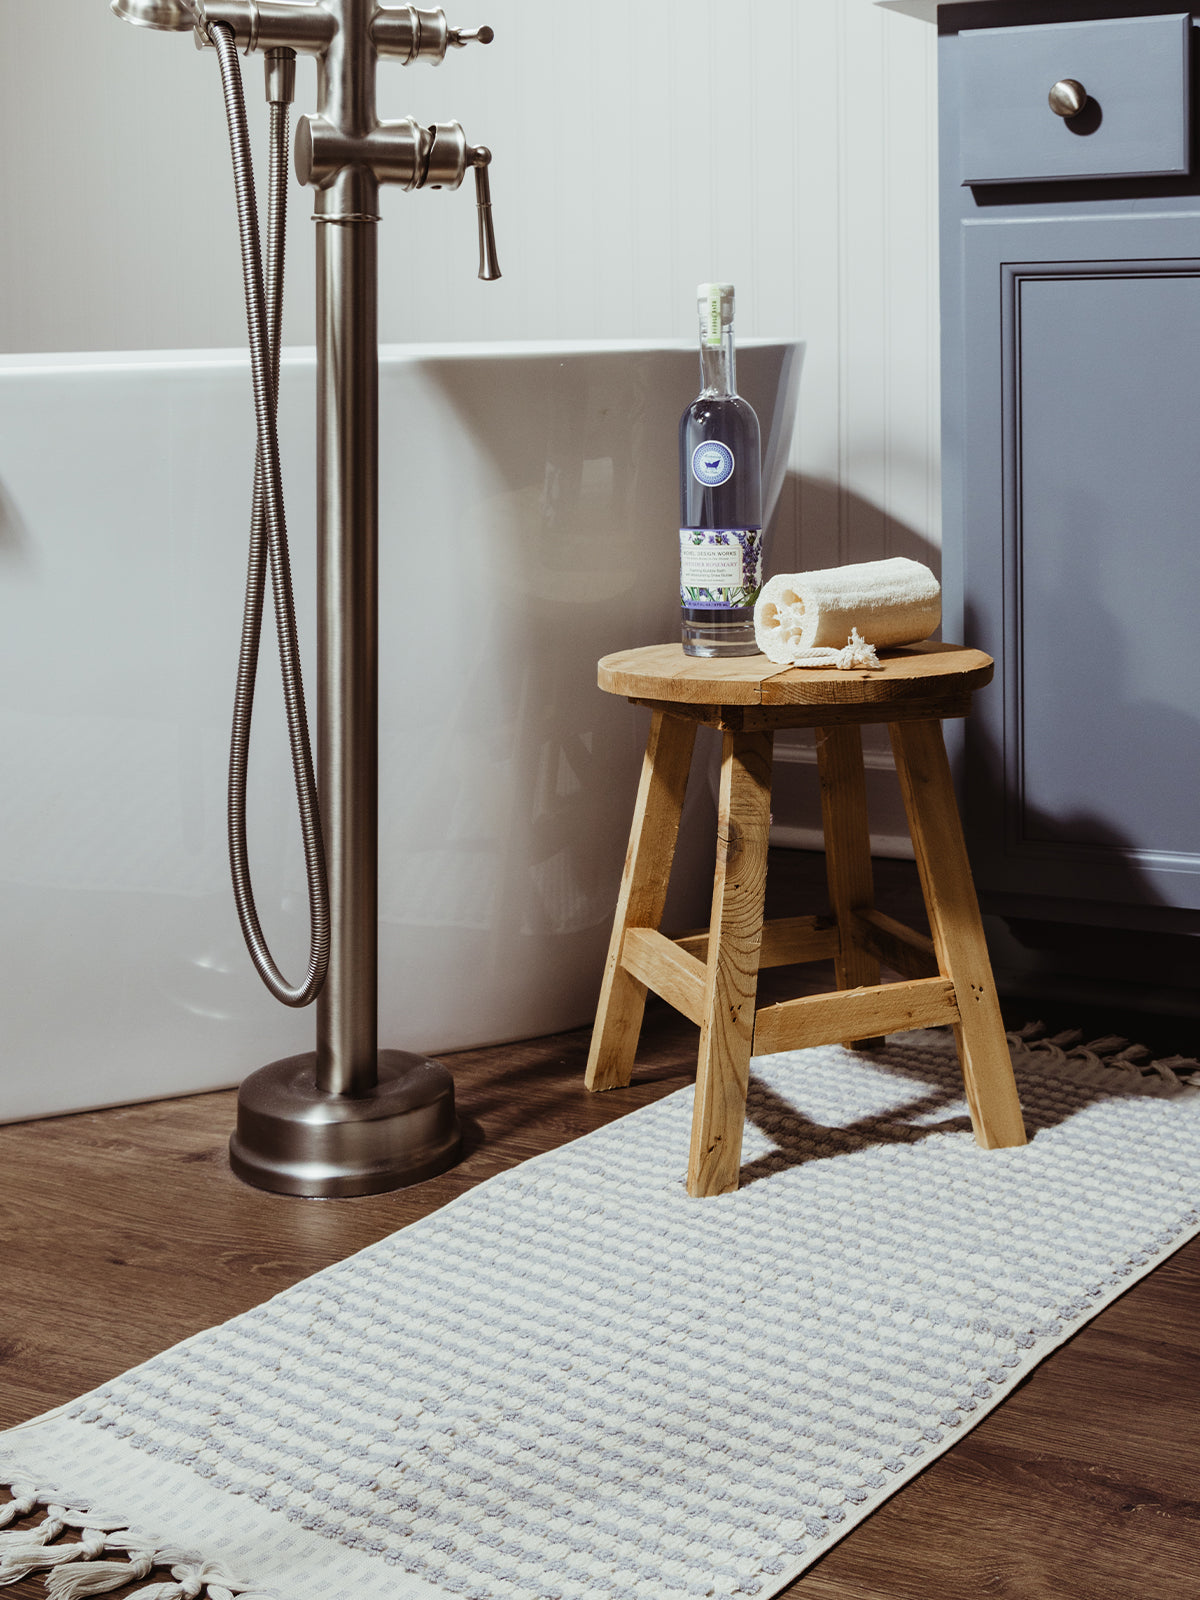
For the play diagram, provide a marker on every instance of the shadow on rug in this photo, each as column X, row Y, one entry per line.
column 1041, row 1063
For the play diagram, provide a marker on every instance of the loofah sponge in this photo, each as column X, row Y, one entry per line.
column 806, row 618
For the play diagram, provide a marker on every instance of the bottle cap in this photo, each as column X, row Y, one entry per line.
column 715, row 302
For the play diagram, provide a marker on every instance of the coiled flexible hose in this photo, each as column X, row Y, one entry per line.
column 268, row 537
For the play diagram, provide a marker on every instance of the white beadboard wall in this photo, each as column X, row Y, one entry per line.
column 639, row 147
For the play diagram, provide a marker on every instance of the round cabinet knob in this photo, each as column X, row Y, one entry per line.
column 1068, row 97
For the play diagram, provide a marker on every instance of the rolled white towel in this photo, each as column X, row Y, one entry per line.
column 805, row 618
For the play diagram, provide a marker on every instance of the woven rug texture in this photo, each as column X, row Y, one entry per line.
column 576, row 1383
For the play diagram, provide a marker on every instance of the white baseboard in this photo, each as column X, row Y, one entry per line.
column 796, row 801
column 897, row 846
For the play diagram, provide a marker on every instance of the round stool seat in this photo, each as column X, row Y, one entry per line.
column 940, row 676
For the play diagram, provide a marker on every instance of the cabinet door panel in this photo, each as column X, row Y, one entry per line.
column 1109, row 558
column 1085, row 770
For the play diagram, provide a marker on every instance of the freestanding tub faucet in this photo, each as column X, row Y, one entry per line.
column 347, row 1118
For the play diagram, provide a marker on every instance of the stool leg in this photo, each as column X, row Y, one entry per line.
column 734, row 941
column 954, row 921
column 847, row 850
column 642, row 896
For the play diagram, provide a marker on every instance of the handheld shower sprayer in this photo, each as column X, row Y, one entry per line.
column 268, row 534
column 175, row 16
column 348, row 1118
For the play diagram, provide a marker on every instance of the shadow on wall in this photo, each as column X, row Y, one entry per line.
column 1050, row 954
column 16, row 547
column 820, row 523
column 1092, row 795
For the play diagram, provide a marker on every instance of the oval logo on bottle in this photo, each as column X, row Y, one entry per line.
column 712, row 464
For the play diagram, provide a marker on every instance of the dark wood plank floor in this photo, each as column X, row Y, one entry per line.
column 123, row 1231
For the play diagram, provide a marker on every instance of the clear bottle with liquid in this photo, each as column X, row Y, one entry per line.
column 720, row 496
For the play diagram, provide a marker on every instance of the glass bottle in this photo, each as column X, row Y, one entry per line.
column 720, row 496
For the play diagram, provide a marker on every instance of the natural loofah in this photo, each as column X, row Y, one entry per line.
column 804, row 618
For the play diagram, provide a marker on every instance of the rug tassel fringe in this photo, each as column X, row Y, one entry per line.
column 191, row 1577
column 18, row 1540
column 72, row 1569
column 25, row 1499
column 1107, row 1063
column 98, row 1577
column 36, row 1555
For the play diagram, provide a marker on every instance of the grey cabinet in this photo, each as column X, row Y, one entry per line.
column 1071, row 398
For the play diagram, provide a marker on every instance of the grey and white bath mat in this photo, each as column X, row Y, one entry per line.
column 575, row 1383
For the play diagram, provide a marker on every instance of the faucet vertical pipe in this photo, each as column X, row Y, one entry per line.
column 346, row 86
column 348, row 643
column 346, row 218
column 347, row 556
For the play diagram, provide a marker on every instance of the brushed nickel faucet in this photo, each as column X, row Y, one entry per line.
column 347, row 1118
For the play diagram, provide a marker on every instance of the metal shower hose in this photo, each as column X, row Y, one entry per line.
column 268, row 535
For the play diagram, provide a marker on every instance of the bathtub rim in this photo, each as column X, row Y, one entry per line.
column 32, row 363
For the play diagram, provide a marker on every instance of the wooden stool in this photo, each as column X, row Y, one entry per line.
column 713, row 977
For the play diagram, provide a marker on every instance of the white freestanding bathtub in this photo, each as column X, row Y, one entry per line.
column 528, row 527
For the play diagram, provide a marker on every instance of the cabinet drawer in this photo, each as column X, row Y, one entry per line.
column 1135, row 71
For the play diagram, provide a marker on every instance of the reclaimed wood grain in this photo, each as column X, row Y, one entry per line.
column 883, row 1008
column 954, row 920
column 847, row 832
column 905, row 671
column 817, row 713
column 731, row 982
column 903, row 949
column 642, row 896
column 786, row 942
column 661, row 965
column 662, row 672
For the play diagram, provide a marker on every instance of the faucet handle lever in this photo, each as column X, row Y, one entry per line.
column 458, row 37
column 489, row 264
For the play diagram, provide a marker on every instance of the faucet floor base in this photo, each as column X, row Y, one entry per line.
column 293, row 1138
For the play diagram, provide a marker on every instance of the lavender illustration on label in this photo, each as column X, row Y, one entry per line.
column 720, row 568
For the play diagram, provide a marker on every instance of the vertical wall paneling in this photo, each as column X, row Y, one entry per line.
column 867, row 447
column 863, row 343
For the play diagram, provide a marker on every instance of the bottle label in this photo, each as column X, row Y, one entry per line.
column 720, row 568
column 712, row 463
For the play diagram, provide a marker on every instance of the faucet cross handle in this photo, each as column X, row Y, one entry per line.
column 414, row 33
